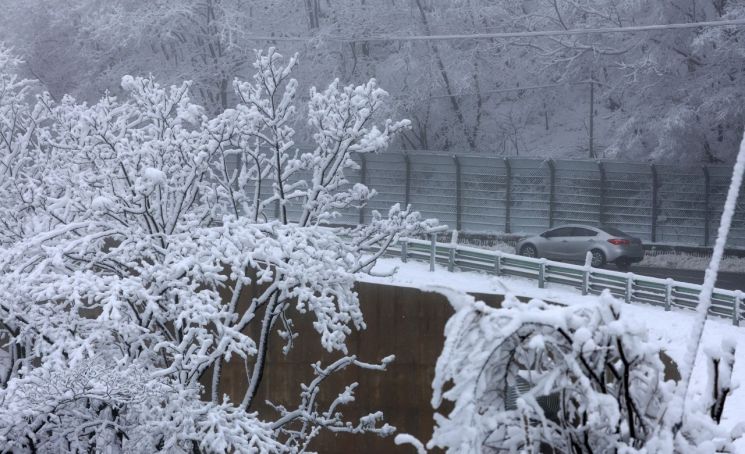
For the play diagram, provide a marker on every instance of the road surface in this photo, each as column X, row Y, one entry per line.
column 726, row 280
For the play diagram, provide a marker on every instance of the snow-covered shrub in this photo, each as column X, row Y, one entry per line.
column 149, row 222
column 536, row 377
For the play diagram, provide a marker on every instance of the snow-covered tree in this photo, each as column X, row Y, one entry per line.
column 658, row 95
column 536, row 377
column 129, row 288
column 19, row 148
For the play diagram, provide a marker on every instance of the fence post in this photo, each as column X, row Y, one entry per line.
column 458, row 194
column 668, row 293
column 707, row 212
column 407, row 180
column 586, row 282
column 432, row 250
column 629, row 287
column 603, row 196
column 586, row 273
column 404, row 250
column 736, row 308
column 498, row 264
column 551, row 192
column 655, row 187
column 542, row 274
column 451, row 258
column 363, row 180
column 507, row 195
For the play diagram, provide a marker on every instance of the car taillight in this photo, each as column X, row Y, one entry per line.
column 619, row 242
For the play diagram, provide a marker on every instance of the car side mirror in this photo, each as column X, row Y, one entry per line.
column 544, row 235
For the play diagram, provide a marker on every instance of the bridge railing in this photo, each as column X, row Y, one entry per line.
column 666, row 293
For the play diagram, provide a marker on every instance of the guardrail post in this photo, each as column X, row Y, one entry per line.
column 458, row 195
column 668, row 293
column 586, row 273
column 507, row 195
column 404, row 250
column 498, row 264
column 363, row 180
column 736, row 308
column 551, row 192
column 542, row 274
column 432, row 250
column 407, row 180
column 451, row 258
column 603, row 196
column 655, row 208
column 707, row 211
column 629, row 287
column 586, row 282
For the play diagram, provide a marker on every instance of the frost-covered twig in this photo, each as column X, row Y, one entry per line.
column 307, row 416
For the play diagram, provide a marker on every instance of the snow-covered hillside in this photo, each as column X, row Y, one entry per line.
column 666, row 94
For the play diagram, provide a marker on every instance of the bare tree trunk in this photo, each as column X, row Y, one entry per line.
column 446, row 79
column 479, row 101
column 313, row 9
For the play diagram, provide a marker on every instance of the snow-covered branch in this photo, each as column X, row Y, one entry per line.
column 141, row 226
column 577, row 378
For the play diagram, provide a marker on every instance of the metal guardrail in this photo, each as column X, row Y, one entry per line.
column 666, row 293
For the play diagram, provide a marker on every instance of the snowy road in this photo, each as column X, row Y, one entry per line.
column 726, row 280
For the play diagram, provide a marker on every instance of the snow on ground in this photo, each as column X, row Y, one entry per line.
column 670, row 330
column 692, row 262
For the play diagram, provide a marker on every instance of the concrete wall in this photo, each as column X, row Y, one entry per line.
column 400, row 321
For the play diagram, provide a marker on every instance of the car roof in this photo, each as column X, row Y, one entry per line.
column 596, row 228
column 584, row 226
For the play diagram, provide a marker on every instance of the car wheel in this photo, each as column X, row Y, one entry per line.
column 598, row 258
column 623, row 264
column 529, row 251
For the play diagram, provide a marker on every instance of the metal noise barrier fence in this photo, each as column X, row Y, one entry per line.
column 661, row 204
column 665, row 293
column 664, row 204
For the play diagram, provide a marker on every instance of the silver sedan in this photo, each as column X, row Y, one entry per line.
column 572, row 243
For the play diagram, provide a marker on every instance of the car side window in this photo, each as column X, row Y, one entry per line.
column 579, row 231
column 561, row 231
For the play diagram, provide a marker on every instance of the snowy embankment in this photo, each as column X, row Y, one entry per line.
column 670, row 330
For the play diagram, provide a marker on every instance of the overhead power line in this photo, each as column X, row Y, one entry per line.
column 528, row 34
column 512, row 89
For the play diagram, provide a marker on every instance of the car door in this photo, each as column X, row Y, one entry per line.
column 556, row 242
column 579, row 243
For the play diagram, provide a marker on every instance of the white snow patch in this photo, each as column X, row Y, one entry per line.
column 154, row 176
column 692, row 262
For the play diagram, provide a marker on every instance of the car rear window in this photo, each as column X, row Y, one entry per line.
column 614, row 231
